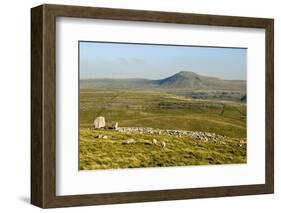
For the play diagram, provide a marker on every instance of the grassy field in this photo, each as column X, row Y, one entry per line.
column 159, row 109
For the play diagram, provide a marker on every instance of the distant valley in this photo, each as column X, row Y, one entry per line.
column 184, row 83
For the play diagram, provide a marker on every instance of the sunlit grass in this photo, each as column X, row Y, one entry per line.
column 114, row 152
column 144, row 109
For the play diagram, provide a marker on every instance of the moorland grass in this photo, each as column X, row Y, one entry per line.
column 113, row 152
column 143, row 109
column 158, row 109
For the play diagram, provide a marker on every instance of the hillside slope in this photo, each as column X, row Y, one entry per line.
column 181, row 80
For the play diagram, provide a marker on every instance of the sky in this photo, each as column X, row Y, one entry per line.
column 122, row 60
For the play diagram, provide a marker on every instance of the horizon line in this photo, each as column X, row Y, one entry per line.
column 102, row 78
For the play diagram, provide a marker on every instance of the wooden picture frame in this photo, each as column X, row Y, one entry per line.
column 43, row 105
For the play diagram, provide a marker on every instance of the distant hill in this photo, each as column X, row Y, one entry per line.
column 186, row 80
column 107, row 83
column 183, row 80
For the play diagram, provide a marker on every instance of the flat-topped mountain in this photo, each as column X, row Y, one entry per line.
column 182, row 80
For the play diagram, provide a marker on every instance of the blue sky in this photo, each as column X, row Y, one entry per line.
column 120, row 60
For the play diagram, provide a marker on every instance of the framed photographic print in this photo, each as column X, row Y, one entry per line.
column 136, row 106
